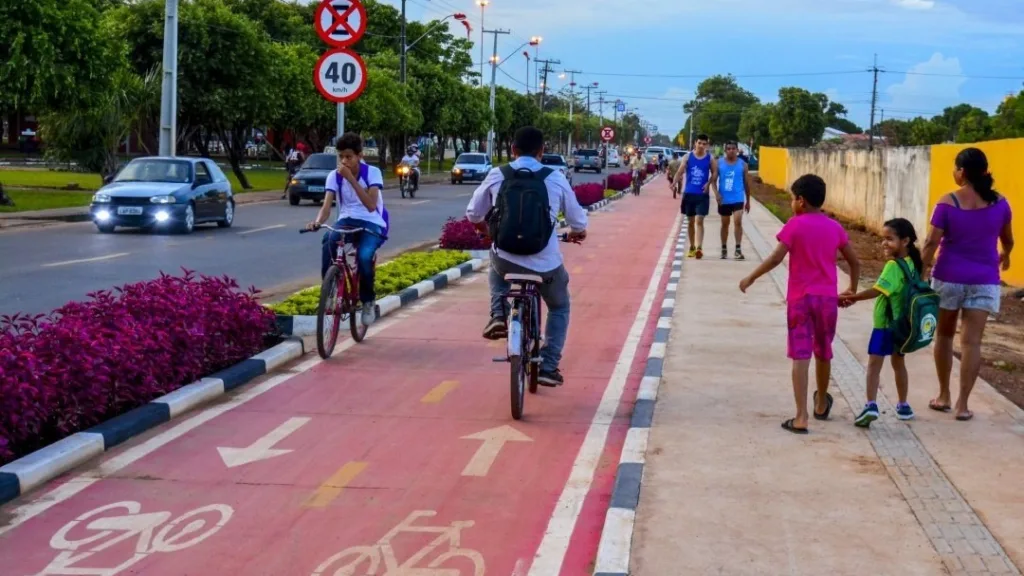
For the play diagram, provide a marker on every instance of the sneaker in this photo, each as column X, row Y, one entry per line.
column 725, row 252
column 867, row 416
column 691, row 253
column 551, row 378
column 904, row 412
column 699, row 253
column 369, row 314
column 739, row 254
column 496, row 329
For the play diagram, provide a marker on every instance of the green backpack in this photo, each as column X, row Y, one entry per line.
column 915, row 327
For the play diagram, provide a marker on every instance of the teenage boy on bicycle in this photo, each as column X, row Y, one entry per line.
column 357, row 186
column 524, row 245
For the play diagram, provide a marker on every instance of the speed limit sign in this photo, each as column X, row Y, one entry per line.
column 340, row 75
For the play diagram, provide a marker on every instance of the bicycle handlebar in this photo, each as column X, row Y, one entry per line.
column 333, row 229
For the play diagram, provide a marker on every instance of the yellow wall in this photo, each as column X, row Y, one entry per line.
column 773, row 166
column 1004, row 161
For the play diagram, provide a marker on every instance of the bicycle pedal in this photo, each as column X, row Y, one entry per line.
column 501, row 359
column 535, row 360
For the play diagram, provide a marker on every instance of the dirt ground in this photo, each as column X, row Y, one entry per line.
column 1002, row 348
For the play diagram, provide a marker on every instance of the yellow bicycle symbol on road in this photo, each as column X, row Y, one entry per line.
column 366, row 560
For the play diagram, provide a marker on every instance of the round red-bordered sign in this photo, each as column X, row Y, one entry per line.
column 607, row 133
column 340, row 23
column 340, row 75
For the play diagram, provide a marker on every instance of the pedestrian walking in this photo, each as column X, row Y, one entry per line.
column 732, row 192
column 967, row 227
column 811, row 239
column 694, row 177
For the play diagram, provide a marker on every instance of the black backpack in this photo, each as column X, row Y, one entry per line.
column 520, row 222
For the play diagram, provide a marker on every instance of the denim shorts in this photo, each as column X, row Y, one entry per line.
column 953, row 296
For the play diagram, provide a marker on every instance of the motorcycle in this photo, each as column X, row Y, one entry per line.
column 405, row 181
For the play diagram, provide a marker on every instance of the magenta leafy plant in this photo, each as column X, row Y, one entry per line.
column 87, row 362
column 589, row 193
column 652, row 168
column 620, row 181
column 462, row 235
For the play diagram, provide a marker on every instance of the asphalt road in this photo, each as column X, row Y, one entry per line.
column 43, row 268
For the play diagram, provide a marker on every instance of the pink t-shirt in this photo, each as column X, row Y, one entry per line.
column 813, row 241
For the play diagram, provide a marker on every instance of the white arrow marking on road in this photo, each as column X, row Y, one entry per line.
column 263, row 448
column 493, row 439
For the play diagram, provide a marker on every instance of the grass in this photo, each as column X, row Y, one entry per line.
column 48, row 179
column 25, row 200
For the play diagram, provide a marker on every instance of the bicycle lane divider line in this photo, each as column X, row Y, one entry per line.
column 42, row 502
column 613, row 554
column 332, row 487
column 562, row 523
column 437, row 393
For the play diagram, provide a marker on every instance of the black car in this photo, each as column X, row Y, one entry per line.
column 163, row 193
column 310, row 181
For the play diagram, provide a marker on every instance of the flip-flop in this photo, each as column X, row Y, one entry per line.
column 828, row 406
column 939, row 407
column 965, row 416
column 788, row 425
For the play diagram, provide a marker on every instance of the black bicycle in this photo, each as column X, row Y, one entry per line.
column 523, row 323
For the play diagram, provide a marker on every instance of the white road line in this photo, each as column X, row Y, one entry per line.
column 562, row 523
column 264, row 229
column 466, row 195
column 84, row 260
column 418, row 202
column 62, row 493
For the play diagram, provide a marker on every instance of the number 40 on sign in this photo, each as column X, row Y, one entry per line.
column 340, row 75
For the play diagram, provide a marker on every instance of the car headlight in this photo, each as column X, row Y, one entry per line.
column 457, row 170
column 101, row 198
column 165, row 199
column 295, row 182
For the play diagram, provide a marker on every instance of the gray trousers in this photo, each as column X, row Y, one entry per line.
column 555, row 293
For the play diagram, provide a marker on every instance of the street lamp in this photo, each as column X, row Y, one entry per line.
column 406, row 47
column 535, row 42
column 483, row 4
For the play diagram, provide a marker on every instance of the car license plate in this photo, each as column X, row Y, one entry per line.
column 316, row 188
column 129, row 211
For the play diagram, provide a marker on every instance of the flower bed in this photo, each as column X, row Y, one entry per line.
column 392, row 277
column 609, row 193
column 462, row 235
column 90, row 361
column 620, row 181
column 590, row 193
column 651, row 169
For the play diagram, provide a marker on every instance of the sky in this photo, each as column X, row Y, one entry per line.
column 933, row 53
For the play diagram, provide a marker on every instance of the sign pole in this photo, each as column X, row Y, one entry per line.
column 169, row 86
column 341, row 122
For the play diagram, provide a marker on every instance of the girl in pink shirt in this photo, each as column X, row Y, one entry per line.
column 812, row 240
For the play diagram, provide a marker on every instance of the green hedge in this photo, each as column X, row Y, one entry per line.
column 609, row 193
column 392, row 277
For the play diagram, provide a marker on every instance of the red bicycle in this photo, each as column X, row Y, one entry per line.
column 339, row 294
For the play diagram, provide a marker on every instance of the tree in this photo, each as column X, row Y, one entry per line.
column 835, row 117
column 798, row 118
column 976, row 126
column 1009, row 119
column 681, row 138
column 54, row 55
column 951, row 117
column 896, row 132
column 925, row 132
column 718, row 106
column 755, row 125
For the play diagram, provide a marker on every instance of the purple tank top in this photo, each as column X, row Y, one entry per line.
column 969, row 250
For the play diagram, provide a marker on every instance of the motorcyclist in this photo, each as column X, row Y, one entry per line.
column 412, row 160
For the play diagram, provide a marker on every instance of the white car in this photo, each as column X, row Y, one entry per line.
column 613, row 158
column 557, row 162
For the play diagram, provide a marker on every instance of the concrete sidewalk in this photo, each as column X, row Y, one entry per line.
column 727, row 491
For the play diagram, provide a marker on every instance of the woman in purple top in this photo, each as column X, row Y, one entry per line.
column 967, row 227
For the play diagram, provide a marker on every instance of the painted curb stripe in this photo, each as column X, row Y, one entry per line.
column 653, row 366
column 643, row 414
column 45, row 464
column 439, row 281
column 408, row 296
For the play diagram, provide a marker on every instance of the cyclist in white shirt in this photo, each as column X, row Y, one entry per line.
column 357, row 186
column 412, row 159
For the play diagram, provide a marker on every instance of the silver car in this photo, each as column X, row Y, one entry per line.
column 557, row 162
column 470, row 167
column 587, row 159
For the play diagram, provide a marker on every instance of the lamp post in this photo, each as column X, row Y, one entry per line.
column 406, row 47
column 535, row 42
column 483, row 4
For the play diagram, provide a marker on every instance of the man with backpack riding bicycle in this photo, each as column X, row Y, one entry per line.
column 518, row 206
column 357, row 186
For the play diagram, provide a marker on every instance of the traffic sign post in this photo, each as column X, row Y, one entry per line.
column 607, row 133
column 647, row 140
column 620, row 107
column 340, row 75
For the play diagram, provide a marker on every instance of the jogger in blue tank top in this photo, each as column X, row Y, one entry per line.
column 732, row 191
column 696, row 173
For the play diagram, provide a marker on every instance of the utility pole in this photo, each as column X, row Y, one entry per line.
column 404, row 48
column 874, row 101
column 542, row 92
column 494, row 71
column 169, row 86
column 572, row 99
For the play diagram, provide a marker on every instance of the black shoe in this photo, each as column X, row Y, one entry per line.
column 550, row 378
column 496, row 329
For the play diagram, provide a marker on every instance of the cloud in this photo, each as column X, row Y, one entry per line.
column 915, row 4
column 926, row 87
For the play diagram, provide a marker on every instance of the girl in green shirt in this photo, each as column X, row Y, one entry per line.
column 898, row 242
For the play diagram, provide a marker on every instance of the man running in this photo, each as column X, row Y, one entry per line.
column 699, row 170
column 732, row 191
column 673, row 167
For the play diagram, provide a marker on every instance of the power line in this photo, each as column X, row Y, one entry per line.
column 774, row 75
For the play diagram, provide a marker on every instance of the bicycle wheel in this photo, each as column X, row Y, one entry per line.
column 328, row 314
column 534, row 342
column 517, row 365
column 351, row 297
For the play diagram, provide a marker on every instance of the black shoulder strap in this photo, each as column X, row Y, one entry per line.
column 956, row 201
column 906, row 269
column 543, row 173
column 507, row 171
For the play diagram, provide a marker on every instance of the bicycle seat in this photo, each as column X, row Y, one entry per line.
column 524, row 278
column 350, row 230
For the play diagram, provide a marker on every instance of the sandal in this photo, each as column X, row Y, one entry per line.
column 964, row 416
column 788, row 425
column 828, row 406
column 934, row 405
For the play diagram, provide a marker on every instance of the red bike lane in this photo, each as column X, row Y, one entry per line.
column 397, row 456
